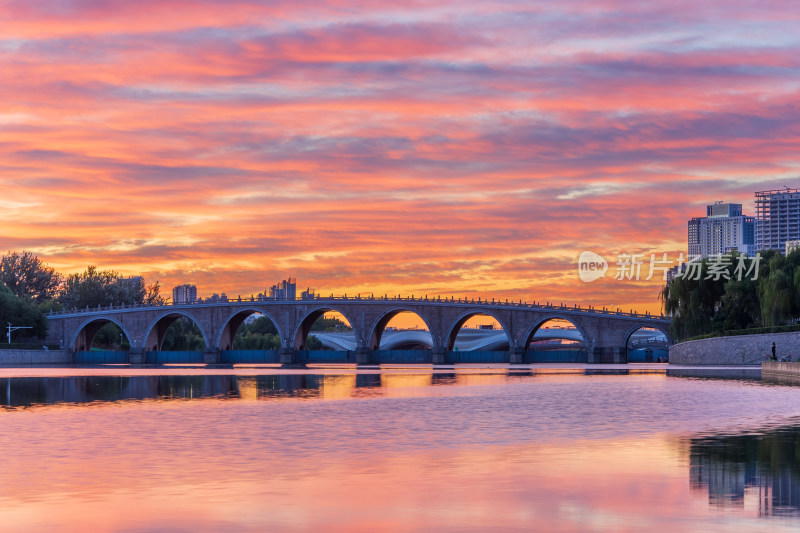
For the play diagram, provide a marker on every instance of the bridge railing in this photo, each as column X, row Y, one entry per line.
column 385, row 298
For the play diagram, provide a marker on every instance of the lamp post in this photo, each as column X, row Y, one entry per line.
column 15, row 328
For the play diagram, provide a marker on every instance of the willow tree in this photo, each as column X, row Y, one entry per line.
column 718, row 293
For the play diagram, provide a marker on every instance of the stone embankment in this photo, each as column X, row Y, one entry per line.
column 777, row 369
column 735, row 350
column 35, row 357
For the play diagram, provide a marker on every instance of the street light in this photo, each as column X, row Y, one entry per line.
column 15, row 328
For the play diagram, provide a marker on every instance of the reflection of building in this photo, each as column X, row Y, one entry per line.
column 184, row 294
column 723, row 229
column 734, row 469
column 285, row 290
column 777, row 218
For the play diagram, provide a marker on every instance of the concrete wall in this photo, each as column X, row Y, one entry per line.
column 34, row 357
column 735, row 350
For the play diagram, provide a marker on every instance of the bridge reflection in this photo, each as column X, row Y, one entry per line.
column 24, row 392
column 758, row 468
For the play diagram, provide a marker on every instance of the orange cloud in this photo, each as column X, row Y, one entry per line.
column 385, row 147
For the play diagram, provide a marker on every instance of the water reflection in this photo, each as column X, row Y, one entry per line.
column 26, row 392
column 19, row 392
column 34, row 391
column 761, row 468
column 540, row 450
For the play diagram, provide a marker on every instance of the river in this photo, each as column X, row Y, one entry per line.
column 547, row 449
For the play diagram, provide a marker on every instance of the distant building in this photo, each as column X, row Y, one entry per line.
column 723, row 229
column 184, row 294
column 777, row 218
column 285, row 290
column 791, row 246
column 307, row 294
column 131, row 283
column 673, row 272
column 217, row 298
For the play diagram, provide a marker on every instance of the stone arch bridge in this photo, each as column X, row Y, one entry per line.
column 605, row 332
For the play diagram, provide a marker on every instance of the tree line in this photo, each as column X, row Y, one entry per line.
column 733, row 292
column 29, row 288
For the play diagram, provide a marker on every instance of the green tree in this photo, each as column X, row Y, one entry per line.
column 258, row 334
column 94, row 287
column 329, row 324
column 28, row 277
column 110, row 337
column 21, row 312
column 183, row 335
column 740, row 306
column 693, row 301
column 313, row 343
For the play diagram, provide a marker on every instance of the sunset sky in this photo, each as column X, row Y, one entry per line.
column 461, row 148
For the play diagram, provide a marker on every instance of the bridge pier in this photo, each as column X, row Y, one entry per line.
column 136, row 356
column 362, row 355
column 439, row 357
column 607, row 355
column 211, row 356
column 515, row 355
column 288, row 357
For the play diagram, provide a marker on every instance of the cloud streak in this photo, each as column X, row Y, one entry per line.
column 468, row 148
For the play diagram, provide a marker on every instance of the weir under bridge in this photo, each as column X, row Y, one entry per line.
column 605, row 333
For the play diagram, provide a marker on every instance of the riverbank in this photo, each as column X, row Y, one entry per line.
column 735, row 350
column 35, row 357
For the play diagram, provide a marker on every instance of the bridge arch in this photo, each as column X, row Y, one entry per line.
column 304, row 326
column 226, row 334
column 87, row 331
column 154, row 335
column 458, row 323
column 650, row 353
column 664, row 331
column 587, row 340
column 378, row 327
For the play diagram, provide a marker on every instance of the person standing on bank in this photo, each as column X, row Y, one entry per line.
column 774, row 358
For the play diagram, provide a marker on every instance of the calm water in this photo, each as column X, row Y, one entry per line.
column 398, row 450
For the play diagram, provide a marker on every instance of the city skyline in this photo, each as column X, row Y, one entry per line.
column 467, row 149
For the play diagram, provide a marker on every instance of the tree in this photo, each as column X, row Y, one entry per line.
column 258, row 334
column 183, row 335
column 692, row 302
column 734, row 300
column 28, row 277
column 106, row 287
column 21, row 312
column 740, row 306
column 313, row 343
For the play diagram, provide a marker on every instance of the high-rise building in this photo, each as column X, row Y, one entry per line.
column 307, row 294
column 723, row 229
column 777, row 218
column 285, row 290
column 184, row 294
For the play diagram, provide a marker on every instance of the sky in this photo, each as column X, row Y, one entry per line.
column 463, row 148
